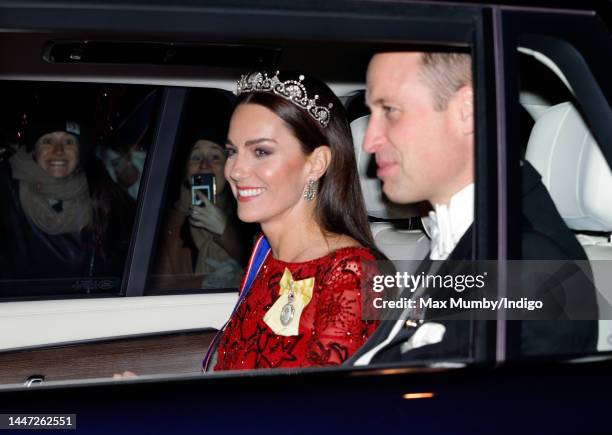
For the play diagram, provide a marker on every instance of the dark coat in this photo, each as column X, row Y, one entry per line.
column 41, row 263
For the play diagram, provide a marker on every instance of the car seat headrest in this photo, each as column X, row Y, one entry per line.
column 573, row 168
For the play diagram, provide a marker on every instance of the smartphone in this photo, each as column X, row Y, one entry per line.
column 204, row 183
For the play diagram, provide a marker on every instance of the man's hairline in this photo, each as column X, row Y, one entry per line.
column 420, row 78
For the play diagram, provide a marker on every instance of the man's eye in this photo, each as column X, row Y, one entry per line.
column 46, row 140
column 388, row 109
column 195, row 159
column 230, row 152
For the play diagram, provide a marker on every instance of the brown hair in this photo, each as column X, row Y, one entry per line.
column 445, row 74
column 340, row 207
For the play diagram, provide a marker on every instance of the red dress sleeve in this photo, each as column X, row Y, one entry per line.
column 339, row 329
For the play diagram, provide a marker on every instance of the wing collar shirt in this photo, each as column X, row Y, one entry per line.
column 448, row 223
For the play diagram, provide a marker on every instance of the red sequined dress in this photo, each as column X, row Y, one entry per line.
column 330, row 328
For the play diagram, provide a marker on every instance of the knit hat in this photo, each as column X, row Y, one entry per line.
column 50, row 124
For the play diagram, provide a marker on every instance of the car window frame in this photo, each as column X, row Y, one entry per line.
column 150, row 206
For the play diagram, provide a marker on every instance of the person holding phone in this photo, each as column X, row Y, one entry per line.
column 291, row 166
column 201, row 242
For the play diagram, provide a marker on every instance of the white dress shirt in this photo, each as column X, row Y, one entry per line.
column 449, row 222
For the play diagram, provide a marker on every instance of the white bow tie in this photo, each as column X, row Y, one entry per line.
column 449, row 222
column 441, row 233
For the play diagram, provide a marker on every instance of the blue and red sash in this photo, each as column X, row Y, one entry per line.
column 258, row 257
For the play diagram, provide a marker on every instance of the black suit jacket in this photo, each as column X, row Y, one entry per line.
column 544, row 236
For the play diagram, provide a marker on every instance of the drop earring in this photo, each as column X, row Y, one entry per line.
column 310, row 191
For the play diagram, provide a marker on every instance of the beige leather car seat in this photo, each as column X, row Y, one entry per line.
column 563, row 150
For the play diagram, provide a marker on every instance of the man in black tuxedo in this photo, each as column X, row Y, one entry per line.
column 421, row 131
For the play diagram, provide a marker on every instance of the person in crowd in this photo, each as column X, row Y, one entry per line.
column 202, row 246
column 291, row 166
column 125, row 150
column 62, row 216
column 125, row 166
column 421, row 132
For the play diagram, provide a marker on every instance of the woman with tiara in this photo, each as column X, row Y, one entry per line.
column 291, row 167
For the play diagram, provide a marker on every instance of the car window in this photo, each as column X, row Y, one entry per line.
column 202, row 246
column 562, row 184
column 72, row 161
column 563, row 150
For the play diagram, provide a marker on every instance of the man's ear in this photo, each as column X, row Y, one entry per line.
column 319, row 161
column 465, row 101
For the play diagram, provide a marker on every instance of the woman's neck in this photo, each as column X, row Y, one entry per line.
column 301, row 241
column 294, row 242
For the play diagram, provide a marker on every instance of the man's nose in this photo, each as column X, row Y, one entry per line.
column 372, row 137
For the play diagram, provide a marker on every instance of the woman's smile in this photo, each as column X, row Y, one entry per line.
column 249, row 193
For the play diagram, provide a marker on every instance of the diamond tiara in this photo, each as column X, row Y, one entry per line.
column 291, row 90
